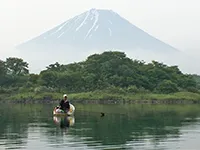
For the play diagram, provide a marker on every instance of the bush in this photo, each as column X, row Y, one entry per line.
column 143, row 90
column 132, row 89
column 166, row 87
column 8, row 90
column 42, row 89
column 114, row 89
column 192, row 89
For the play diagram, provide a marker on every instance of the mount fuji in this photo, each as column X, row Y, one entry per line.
column 95, row 30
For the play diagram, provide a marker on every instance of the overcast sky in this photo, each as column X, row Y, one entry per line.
column 176, row 22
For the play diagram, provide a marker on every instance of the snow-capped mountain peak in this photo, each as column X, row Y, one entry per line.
column 94, row 19
column 97, row 29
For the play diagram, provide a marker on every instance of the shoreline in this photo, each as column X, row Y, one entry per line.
column 52, row 101
column 104, row 98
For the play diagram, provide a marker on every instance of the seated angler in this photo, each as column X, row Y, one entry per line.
column 64, row 103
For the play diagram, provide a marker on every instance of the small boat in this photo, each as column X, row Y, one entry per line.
column 59, row 112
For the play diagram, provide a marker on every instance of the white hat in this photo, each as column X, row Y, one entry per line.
column 65, row 95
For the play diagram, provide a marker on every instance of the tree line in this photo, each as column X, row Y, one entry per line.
column 108, row 70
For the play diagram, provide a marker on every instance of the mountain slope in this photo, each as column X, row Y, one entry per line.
column 97, row 29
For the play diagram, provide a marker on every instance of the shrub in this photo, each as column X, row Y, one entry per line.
column 42, row 89
column 132, row 89
column 114, row 89
column 167, row 86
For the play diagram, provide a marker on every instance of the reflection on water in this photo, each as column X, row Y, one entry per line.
column 123, row 126
column 64, row 121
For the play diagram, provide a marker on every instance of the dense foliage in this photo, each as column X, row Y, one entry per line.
column 109, row 71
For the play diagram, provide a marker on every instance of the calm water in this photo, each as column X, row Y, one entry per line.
column 151, row 127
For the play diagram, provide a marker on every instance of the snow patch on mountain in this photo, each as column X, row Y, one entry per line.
column 59, row 28
column 96, row 28
column 109, row 21
column 110, row 31
column 96, row 15
column 88, row 13
column 61, row 34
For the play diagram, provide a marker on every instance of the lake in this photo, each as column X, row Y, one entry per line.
column 141, row 127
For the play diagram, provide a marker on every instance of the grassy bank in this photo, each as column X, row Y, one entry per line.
column 102, row 96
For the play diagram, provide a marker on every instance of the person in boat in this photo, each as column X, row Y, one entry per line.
column 64, row 103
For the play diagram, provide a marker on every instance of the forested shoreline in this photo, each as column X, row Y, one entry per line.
column 110, row 75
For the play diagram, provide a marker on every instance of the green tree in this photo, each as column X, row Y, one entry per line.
column 111, row 69
column 167, row 86
column 2, row 68
column 49, row 78
column 33, row 78
column 16, row 66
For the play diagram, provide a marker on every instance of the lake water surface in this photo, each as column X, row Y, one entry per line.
column 140, row 127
